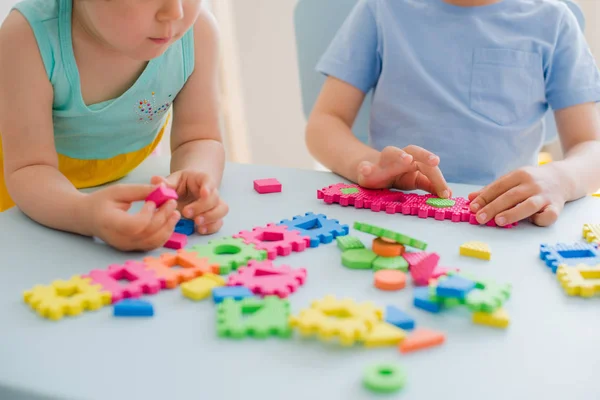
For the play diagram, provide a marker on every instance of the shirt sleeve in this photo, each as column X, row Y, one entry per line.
column 572, row 76
column 353, row 56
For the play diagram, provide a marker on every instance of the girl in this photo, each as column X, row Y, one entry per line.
column 86, row 89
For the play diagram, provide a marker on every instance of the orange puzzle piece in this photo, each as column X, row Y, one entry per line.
column 387, row 248
column 390, row 279
column 191, row 265
column 421, row 339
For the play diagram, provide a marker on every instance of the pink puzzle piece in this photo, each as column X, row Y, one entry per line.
column 161, row 195
column 264, row 186
column 141, row 280
column 442, row 271
column 423, row 270
column 264, row 279
column 276, row 240
column 176, row 241
column 413, row 258
column 395, row 201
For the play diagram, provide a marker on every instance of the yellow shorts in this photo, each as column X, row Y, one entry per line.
column 89, row 173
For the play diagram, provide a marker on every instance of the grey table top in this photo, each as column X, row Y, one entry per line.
column 550, row 351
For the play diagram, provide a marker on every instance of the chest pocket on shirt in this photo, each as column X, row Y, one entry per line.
column 503, row 82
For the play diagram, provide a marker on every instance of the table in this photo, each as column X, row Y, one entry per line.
column 550, row 351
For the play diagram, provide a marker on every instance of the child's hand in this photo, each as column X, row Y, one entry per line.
column 147, row 230
column 198, row 199
column 407, row 169
column 534, row 192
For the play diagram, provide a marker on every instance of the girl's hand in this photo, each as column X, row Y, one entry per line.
column 109, row 220
column 407, row 169
column 198, row 199
column 534, row 192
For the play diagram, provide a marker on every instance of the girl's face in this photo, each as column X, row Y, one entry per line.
column 140, row 29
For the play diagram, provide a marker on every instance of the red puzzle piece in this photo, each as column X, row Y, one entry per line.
column 275, row 239
column 264, row 279
column 423, row 270
column 141, row 280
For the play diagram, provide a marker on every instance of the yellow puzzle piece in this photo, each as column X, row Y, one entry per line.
column 201, row 287
column 597, row 194
column 477, row 250
column 591, row 233
column 70, row 297
column 497, row 319
column 582, row 280
column 384, row 334
column 345, row 319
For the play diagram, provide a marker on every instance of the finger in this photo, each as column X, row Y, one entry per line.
column 132, row 225
column 525, row 209
column 421, row 155
column 158, row 180
column 160, row 217
column 505, row 201
column 473, row 196
column 547, row 216
column 491, row 192
column 213, row 215
column 131, row 193
column 414, row 180
column 210, row 228
column 393, row 162
column 438, row 184
column 160, row 236
column 201, row 206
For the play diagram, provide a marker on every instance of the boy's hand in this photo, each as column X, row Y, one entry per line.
column 407, row 169
column 109, row 220
column 198, row 199
column 534, row 192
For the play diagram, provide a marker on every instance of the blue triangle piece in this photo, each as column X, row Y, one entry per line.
column 399, row 318
column 133, row 308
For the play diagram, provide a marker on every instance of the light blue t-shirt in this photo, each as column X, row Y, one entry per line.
column 471, row 84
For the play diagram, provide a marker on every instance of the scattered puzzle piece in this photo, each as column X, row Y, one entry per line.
column 454, row 287
column 384, row 334
column 396, row 263
column 384, row 378
column 161, row 195
column 582, row 280
column 489, row 298
column 569, row 254
column 442, row 271
column 358, row 258
column 591, row 233
column 133, row 308
column 264, row 279
column 201, row 287
column 497, row 319
column 265, row 317
column 422, row 271
column 176, row 241
column 318, row 227
column 349, row 243
column 185, row 227
column 71, row 297
column 141, row 280
column 476, row 250
column 388, row 234
column 191, row 266
column 422, row 339
column 390, row 279
column 275, row 240
column 422, row 299
column 264, row 186
column 221, row 293
column 399, row 318
column 229, row 253
column 387, row 248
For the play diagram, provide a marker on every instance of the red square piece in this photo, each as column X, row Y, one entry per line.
column 264, row 186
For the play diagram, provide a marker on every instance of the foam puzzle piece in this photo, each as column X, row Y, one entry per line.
column 358, row 258
column 387, row 248
column 397, row 263
column 265, row 279
column 422, row 271
column 161, row 195
column 331, row 318
column 591, row 233
column 497, row 319
column 318, row 227
column 440, row 203
column 438, row 272
column 421, row 339
column 221, row 293
column 489, row 298
column 394, row 201
column 413, row 258
column 422, row 300
column 229, row 253
column 176, row 241
column 70, row 297
column 191, row 266
column 388, row 234
column 569, row 254
column 454, row 287
column 384, row 378
column 389, row 279
column 140, row 280
column 276, row 240
column 476, row 250
column 133, row 308
column 384, row 334
column 185, row 226
column 582, row 280
column 201, row 287
column 265, row 186
column 349, row 243
column 265, row 317
column 399, row 318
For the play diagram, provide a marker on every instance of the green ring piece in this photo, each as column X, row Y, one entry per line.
column 440, row 203
column 384, row 378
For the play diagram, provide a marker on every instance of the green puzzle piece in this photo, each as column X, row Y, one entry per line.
column 398, row 263
column 350, row 190
column 349, row 243
column 440, row 203
column 358, row 258
column 229, row 253
column 386, row 233
column 254, row 317
column 488, row 299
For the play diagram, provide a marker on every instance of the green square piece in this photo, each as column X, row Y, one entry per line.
column 398, row 263
column 254, row 317
column 230, row 253
column 386, row 233
column 349, row 243
column 350, row 190
column 358, row 258
column 440, row 203
column 488, row 299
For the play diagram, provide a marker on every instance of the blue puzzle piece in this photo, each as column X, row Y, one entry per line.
column 454, row 287
column 424, row 302
column 569, row 254
column 185, row 227
column 133, row 308
column 236, row 292
column 399, row 318
column 318, row 227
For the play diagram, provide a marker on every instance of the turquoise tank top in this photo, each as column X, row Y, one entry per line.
column 118, row 126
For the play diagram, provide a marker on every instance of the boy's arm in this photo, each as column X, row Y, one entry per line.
column 196, row 140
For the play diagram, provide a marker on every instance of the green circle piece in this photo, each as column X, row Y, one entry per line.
column 384, row 378
column 440, row 203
